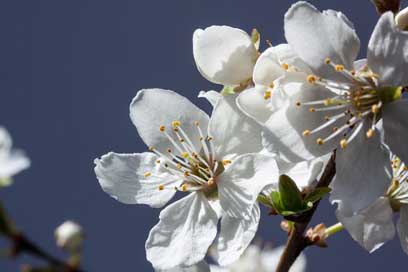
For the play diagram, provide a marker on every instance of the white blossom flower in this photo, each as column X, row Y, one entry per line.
column 374, row 226
column 69, row 236
column 401, row 19
column 11, row 161
column 224, row 55
column 253, row 259
column 339, row 101
column 211, row 159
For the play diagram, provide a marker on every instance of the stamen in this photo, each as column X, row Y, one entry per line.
column 285, row 66
column 311, row 79
column 147, row 174
column 320, row 141
column 162, row 128
column 267, row 95
column 161, row 187
column 339, row 68
column 226, row 162
column 343, row 143
column 370, row 133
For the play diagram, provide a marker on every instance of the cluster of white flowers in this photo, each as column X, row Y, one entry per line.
column 281, row 111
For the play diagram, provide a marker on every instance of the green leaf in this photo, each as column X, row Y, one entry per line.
column 276, row 201
column 264, row 200
column 317, row 194
column 290, row 196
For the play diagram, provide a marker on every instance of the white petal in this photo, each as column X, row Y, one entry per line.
column 13, row 163
column 396, row 127
column 303, row 173
column 372, row 227
column 216, row 268
column 315, row 36
column 185, row 231
column 224, row 55
column 388, row 52
column 241, row 183
column 5, row 141
column 401, row 19
column 233, row 132
column 212, row 96
column 152, row 108
column 268, row 67
column 286, row 125
column 252, row 103
column 402, row 228
column 363, row 173
column 199, row 267
column 122, row 176
column 270, row 260
column 235, row 236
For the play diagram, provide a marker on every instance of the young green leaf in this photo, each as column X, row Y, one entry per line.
column 317, row 194
column 290, row 195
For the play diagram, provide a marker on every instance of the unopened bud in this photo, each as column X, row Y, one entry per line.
column 69, row 236
column 402, row 19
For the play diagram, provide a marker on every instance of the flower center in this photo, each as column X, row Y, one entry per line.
column 198, row 168
column 354, row 100
column 398, row 190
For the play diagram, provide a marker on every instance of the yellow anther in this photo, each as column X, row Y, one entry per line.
column 226, row 162
column 162, row 128
column 339, row 68
column 267, row 95
column 306, row 132
column 210, row 181
column 370, row 133
column 184, row 154
column 196, row 123
column 186, row 173
column 168, row 150
column 298, row 103
column 176, row 124
column 147, row 174
column 151, row 148
column 375, row 109
column 327, row 118
column 161, row 187
column 272, row 85
column 343, row 143
column 312, row 109
column 319, row 141
column 195, row 155
column 335, row 129
column 353, row 73
column 179, row 166
column 209, row 138
column 327, row 60
column 328, row 102
column 405, row 168
column 311, row 79
column 184, row 187
column 285, row 66
column 158, row 161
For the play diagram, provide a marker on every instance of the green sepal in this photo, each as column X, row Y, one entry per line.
column 264, row 200
column 227, row 90
column 5, row 182
column 290, row 195
column 316, row 194
column 389, row 94
column 256, row 38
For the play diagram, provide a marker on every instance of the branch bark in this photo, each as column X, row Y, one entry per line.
column 297, row 240
column 22, row 244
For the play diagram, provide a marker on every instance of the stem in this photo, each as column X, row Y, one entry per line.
column 334, row 229
column 22, row 244
column 297, row 241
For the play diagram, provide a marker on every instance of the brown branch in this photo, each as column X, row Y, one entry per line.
column 297, row 241
column 383, row 6
column 22, row 244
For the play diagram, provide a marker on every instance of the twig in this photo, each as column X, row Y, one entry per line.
column 297, row 241
column 22, row 244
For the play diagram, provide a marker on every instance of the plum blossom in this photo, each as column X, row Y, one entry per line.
column 338, row 102
column 374, row 225
column 224, row 55
column 211, row 159
column 253, row 259
column 69, row 236
column 11, row 161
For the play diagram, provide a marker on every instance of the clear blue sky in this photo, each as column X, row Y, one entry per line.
column 68, row 71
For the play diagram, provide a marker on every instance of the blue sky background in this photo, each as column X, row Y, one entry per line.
column 68, row 71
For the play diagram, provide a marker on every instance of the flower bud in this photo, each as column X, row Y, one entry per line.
column 402, row 19
column 69, row 236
